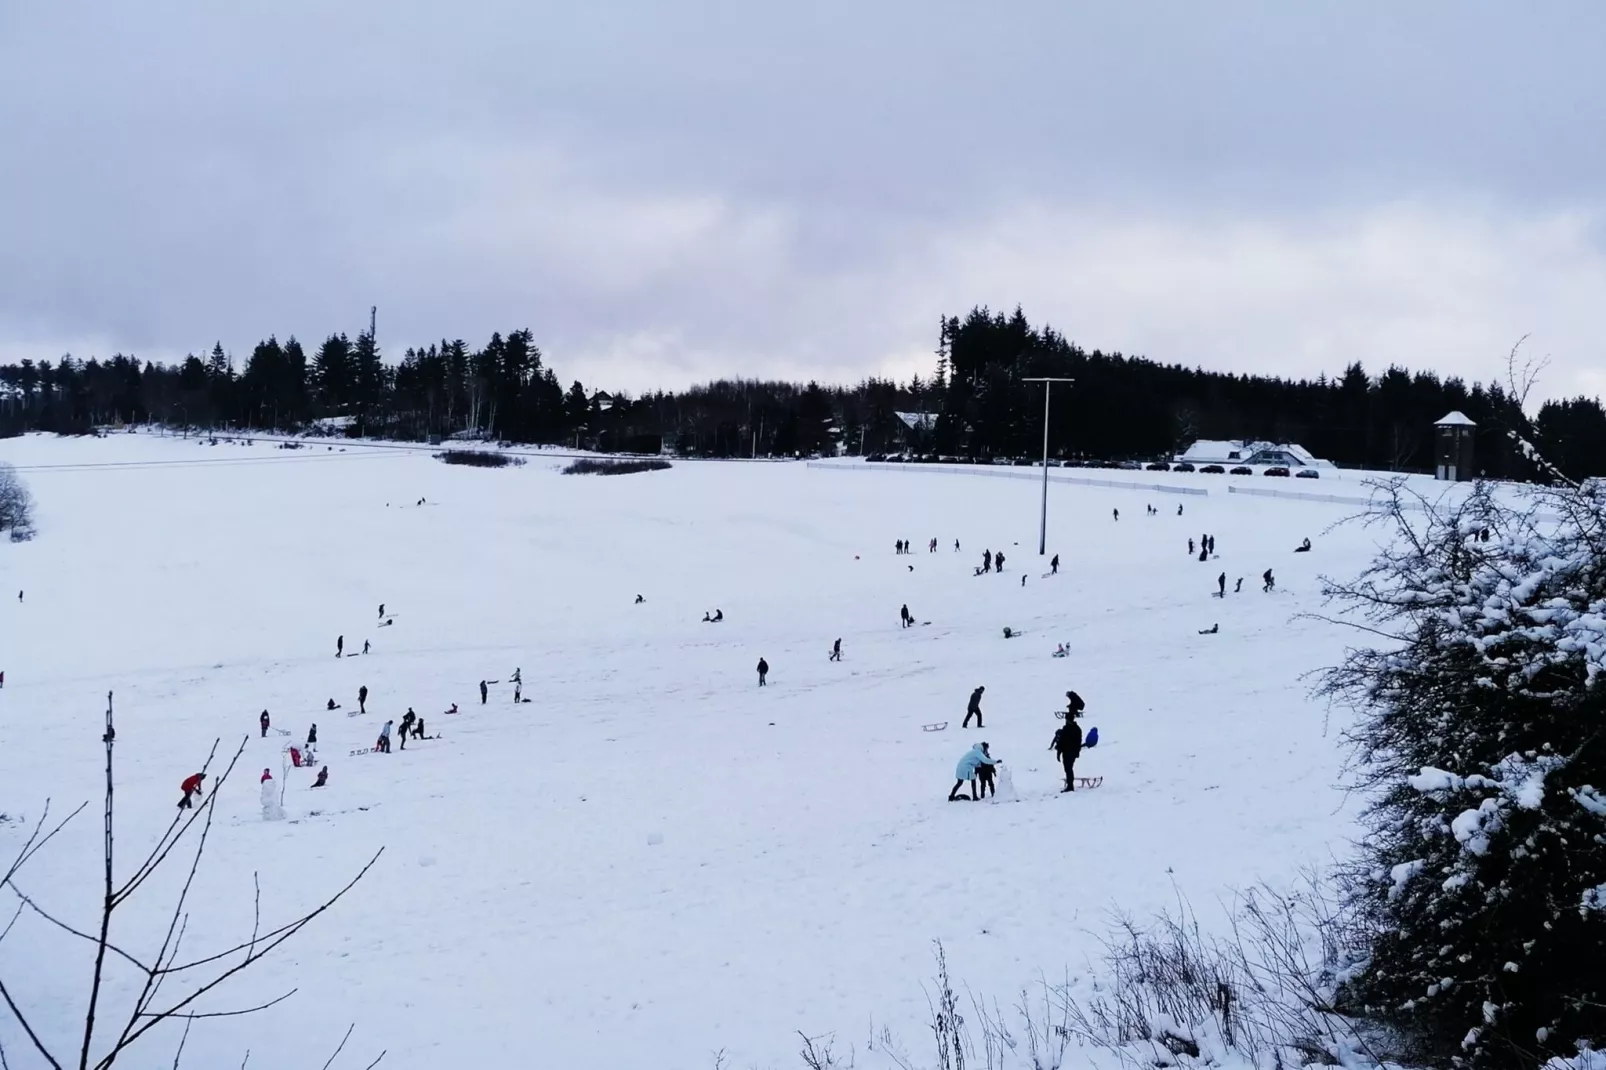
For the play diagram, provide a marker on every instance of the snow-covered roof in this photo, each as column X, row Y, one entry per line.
column 1457, row 419
column 1208, row 450
column 918, row 421
column 1232, row 451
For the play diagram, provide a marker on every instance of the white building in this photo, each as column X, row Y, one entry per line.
column 1235, row 452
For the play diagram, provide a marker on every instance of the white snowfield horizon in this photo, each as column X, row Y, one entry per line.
column 653, row 859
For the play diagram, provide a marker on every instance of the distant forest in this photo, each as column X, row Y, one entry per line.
column 976, row 401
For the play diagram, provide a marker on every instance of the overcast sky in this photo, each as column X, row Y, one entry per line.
column 671, row 191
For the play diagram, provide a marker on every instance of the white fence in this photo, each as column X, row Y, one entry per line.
column 1007, row 472
column 1299, row 495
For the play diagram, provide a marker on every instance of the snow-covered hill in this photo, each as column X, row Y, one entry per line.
column 654, row 858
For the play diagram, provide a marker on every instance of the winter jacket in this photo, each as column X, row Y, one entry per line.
column 264, row 719
column 384, row 733
column 763, row 667
column 192, row 784
column 973, row 758
column 1068, row 741
column 975, row 702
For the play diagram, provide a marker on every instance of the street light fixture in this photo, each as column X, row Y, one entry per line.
column 1042, row 527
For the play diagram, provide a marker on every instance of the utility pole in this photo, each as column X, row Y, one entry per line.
column 373, row 319
column 1042, row 526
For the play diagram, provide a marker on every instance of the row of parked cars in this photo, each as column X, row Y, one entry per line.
column 1240, row 470
column 1131, row 466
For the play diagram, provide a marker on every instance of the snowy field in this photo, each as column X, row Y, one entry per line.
column 654, row 859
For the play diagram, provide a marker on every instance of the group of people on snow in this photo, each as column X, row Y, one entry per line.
column 978, row 767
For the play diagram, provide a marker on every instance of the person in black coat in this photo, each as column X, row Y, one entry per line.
column 362, row 699
column 483, row 692
column 763, row 671
column 836, row 651
column 1054, row 566
column 974, row 709
column 1067, row 746
column 263, row 721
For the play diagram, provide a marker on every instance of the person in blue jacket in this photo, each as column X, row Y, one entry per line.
column 974, row 758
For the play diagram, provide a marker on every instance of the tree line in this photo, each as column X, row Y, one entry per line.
column 976, row 403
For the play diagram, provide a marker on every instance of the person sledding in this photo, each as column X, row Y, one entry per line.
column 323, row 777
column 1303, row 548
column 191, row 788
column 332, row 705
column 974, row 758
column 1067, row 747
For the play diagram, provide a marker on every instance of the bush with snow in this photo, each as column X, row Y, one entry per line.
column 1482, row 744
column 16, row 505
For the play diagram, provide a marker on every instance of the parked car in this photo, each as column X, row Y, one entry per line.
column 1184, row 466
column 1157, row 466
column 1130, row 466
column 1275, row 470
column 876, row 457
column 1243, row 470
column 1213, row 469
column 1307, row 473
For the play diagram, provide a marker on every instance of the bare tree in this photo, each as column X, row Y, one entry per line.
column 199, row 976
column 1522, row 373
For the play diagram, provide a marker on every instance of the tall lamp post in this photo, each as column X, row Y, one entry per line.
column 1042, row 527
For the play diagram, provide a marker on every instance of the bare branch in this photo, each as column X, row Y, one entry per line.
column 375, row 1063
column 180, row 1053
column 31, row 847
column 225, row 1014
column 16, row 1013
column 342, row 1046
column 27, row 902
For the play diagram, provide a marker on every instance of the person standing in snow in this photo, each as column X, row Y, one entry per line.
column 1270, row 580
column 836, row 651
column 407, row 725
column 984, row 775
column 312, row 737
column 998, row 562
column 956, row 546
column 1054, row 566
column 1179, row 508
column 763, row 671
column 1067, row 746
column 340, row 645
column 974, row 708
column 1221, row 584
column 191, row 787
column 362, row 699
column 365, row 646
column 903, row 615
column 381, row 611
column 263, row 721
column 1116, row 513
column 986, row 560
column 933, row 548
column 1239, row 587
column 484, row 691
column 518, row 685
column 1190, row 547
column 974, row 758
column 384, row 738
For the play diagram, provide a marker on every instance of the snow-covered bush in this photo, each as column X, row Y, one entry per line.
column 16, row 505
column 1481, row 742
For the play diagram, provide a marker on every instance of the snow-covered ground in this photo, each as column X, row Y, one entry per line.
column 654, row 859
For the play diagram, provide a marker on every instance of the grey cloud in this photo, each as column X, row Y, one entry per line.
column 671, row 191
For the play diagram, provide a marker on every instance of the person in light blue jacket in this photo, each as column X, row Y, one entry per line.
column 974, row 758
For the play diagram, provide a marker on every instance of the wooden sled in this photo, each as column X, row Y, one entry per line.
column 353, row 713
column 937, row 726
column 1089, row 781
column 365, row 750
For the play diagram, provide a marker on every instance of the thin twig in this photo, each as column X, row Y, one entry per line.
column 375, row 1063
column 27, row 902
column 180, row 1053
column 226, row 1014
column 338, row 1050
column 17, row 1013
